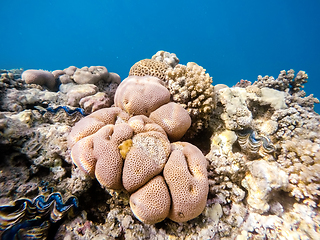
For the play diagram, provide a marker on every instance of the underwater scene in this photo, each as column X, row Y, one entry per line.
column 167, row 120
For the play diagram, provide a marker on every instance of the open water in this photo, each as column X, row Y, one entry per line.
column 232, row 39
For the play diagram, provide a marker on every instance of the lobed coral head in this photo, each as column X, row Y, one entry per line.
column 141, row 95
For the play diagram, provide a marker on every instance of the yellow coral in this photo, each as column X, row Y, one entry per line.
column 125, row 147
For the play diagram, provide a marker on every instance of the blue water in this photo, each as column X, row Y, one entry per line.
column 232, row 39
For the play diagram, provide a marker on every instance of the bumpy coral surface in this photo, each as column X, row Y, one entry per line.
column 98, row 145
column 191, row 87
column 149, row 67
column 250, row 146
column 141, row 95
column 166, row 57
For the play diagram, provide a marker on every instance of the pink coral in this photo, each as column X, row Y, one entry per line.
column 141, row 95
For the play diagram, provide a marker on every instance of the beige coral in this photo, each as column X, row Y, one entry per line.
column 149, row 67
column 192, row 87
column 166, row 57
column 261, row 183
column 40, row 77
column 92, row 123
column 90, row 75
column 146, row 158
column 151, row 203
column 95, row 102
column 142, row 123
column 173, row 118
column 141, row 95
column 83, row 157
column 186, row 176
column 109, row 164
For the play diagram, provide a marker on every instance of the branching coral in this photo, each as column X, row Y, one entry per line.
column 192, row 88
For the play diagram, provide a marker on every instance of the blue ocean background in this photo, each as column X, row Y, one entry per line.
column 232, row 39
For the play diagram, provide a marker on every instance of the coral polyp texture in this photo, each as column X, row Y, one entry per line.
column 131, row 153
column 130, row 165
column 152, row 94
column 149, row 67
column 189, row 85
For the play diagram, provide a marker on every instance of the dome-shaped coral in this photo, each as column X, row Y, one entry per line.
column 149, row 67
column 40, row 77
column 191, row 87
column 186, row 176
column 145, row 159
column 173, row 118
column 141, row 95
column 151, row 203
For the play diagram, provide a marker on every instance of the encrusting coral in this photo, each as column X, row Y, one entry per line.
column 276, row 131
column 166, row 57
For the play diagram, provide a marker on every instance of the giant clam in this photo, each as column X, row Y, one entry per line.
column 253, row 144
column 31, row 219
column 54, row 110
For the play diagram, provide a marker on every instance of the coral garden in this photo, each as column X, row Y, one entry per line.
column 165, row 153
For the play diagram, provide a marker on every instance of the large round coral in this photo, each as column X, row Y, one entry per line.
column 192, row 87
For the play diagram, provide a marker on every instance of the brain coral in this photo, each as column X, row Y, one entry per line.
column 191, row 87
column 141, row 95
column 109, row 164
column 132, row 152
column 186, row 176
column 149, row 67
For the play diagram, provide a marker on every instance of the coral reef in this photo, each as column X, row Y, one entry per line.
column 259, row 178
column 256, row 151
